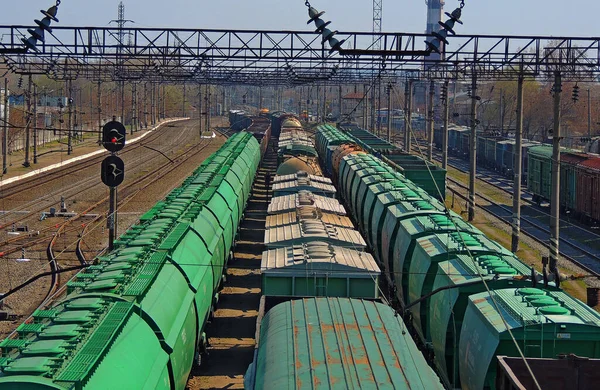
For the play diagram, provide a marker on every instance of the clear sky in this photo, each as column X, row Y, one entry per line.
column 515, row 17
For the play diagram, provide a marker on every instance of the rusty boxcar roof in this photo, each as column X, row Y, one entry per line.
column 337, row 343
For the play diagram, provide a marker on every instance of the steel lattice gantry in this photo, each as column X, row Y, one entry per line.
column 290, row 57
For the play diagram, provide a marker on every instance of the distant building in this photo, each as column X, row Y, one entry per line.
column 43, row 101
column 2, row 106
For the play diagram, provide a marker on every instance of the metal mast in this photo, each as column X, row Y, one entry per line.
column 377, row 13
column 435, row 13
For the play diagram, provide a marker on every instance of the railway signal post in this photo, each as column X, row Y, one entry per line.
column 113, row 171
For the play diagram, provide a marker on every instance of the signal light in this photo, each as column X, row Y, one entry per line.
column 575, row 93
column 447, row 27
column 37, row 34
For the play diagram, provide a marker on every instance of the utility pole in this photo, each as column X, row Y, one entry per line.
column 446, row 119
column 99, row 112
column 200, row 109
column 5, row 130
column 184, row 102
column 340, row 102
column 589, row 114
column 35, row 133
column 408, row 115
column 389, row 115
column 372, row 107
column 554, row 202
column 27, row 164
column 501, row 113
column 207, row 100
column 516, row 227
column 153, row 103
column 122, row 105
column 365, row 105
column 145, row 105
column 378, row 111
column 75, row 119
column 164, row 102
column 473, row 148
column 430, row 123
column 70, row 107
column 134, row 112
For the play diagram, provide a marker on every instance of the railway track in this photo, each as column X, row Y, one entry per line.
column 73, row 236
column 144, row 181
column 77, row 189
column 582, row 258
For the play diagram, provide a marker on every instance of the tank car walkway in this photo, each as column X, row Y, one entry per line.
column 231, row 332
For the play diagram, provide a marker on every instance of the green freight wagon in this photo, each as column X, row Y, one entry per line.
column 539, row 174
column 462, row 276
column 569, row 172
column 428, row 252
column 337, row 343
column 423, row 173
column 544, row 323
column 318, row 269
column 400, row 232
column 136, row 317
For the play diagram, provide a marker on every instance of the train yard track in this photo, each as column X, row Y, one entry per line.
column 532, row 229
column 574, row 251
column 73, row 231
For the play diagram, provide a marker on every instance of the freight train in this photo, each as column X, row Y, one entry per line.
column 461, row 291
column 580, row 172
column 313, row 250
column 579, row 181
column 136, row 318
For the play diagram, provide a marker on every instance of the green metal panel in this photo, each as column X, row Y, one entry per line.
column 400, row 232
column 543, row 331
column 426, row 175
column 540, row 170
column 336, row 343
column 428, row 252
column 447, row 308
column 399, row 193
column 146, row 361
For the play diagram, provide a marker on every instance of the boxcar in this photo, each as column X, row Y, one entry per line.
column 588, row 189
column 464, row 143
column 569, row 162
column 481, row 149
column 539, row 174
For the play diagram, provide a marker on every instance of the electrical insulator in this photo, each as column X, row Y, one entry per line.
column 447, row 27
column 328, row 35
column 38, row 33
